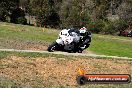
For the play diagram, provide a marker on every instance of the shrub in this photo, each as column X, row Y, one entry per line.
column 109, row 28
column 120, row 25
column 98, row 26
column 21, row 20
column 105, row 27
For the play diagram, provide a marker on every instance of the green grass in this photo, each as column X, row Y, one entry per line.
column 35, row 82
column 4, row 54
column 101, row 44
column 111, row 45
column 8, row 83
column 26, row 33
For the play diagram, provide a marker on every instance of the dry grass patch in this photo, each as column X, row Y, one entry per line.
column 59, row 72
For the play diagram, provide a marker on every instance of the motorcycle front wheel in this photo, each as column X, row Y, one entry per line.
column 53, row 47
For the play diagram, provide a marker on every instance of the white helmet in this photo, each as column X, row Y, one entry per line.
column 83, row 31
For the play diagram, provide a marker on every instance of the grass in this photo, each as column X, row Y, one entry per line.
column 110, row 85
column 4, row 54
column 111, row 45
column 101, row 44
column 15, row 36
column 16, row 31
column 36, row 81
column 8, row 83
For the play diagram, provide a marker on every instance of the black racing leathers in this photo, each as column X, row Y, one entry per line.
column 85, row 40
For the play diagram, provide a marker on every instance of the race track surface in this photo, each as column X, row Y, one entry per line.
column 65, row 53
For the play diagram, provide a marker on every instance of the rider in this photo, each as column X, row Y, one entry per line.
column 85, row 39
column 85, row 36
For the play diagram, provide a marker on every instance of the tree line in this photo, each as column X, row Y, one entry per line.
column 100, row 16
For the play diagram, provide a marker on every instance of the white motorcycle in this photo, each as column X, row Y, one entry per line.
column 65, row 42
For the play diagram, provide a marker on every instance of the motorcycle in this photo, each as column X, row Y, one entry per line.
column 65, row 42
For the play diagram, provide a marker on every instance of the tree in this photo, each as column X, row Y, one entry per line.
column 75, row 12
column 46, row 12
column 101, row 8
column 18, row 16
column 112, row 7
column 125, row 11
column 6, row 8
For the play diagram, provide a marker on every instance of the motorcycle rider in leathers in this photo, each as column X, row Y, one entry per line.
column 85, row 40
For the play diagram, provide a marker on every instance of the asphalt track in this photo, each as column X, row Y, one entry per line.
column 68, row 54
